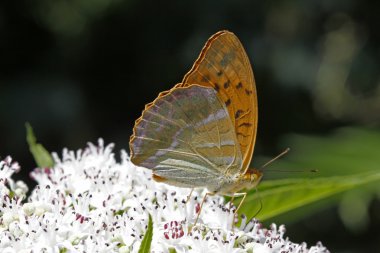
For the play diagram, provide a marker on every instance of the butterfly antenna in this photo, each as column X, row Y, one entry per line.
column 280, row 155
column 274, row 159
column 307, row 170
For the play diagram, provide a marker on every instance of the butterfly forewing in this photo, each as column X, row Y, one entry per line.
column 186, row 136
column 224, row 65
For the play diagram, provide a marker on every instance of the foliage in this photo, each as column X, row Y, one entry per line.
column 346, row 160
column 41, row 156
column 147, row 240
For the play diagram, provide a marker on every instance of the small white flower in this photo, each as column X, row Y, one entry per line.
column 20, row 189
column 29, row 208
column 14, row 228
column 88, row 202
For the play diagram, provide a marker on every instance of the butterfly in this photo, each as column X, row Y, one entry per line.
column 202, row 132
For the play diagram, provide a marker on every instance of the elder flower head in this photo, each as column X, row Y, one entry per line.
column 89, row 202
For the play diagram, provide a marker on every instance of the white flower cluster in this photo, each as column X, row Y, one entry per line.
column 89, row 202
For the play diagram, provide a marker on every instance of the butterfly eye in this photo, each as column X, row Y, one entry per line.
column 255, row 176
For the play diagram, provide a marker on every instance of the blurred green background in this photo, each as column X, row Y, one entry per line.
column 78, row 70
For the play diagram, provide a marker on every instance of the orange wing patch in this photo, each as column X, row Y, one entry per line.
column 224, row 65
column 159, row 179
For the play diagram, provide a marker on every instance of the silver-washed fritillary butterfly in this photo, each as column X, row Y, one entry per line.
column 202, row 132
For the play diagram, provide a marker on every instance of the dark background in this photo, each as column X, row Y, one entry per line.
column 80, row 70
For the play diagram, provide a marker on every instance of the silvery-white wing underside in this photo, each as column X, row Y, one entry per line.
column 187, row 138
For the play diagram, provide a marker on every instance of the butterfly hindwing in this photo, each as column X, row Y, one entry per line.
column 187, row 138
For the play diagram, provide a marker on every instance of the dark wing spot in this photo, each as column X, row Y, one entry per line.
column 227, row 84
column 238, row 113
column 241, row 134
column 239, row 85
column 245, row 124
column 248, row 92
column 217, row 87
column 219, row 73
column 228, row 102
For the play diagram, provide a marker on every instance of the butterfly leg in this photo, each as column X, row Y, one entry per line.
column 232, row 201
column 200, row 208
column 189, row 196
column 237, row 194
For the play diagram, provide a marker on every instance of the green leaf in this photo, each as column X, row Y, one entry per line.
column 41, row 156
column 147, row 240
column 344, row 152
column 172, row 250
column 280, row 196
column 63, row 250
column 346, row 160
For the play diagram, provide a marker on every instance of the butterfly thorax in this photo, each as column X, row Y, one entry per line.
column 247, row 181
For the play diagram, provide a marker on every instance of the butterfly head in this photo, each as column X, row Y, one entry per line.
column 251, row 178
column 254, row 177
